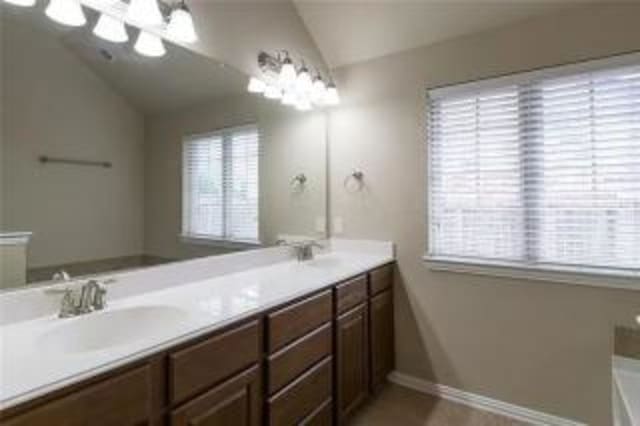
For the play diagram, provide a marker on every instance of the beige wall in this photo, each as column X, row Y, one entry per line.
column 541, row 345
column 55, row 105
column 291, row 143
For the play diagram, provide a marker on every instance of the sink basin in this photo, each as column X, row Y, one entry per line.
column 104, row 330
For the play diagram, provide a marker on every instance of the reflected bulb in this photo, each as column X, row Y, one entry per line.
column 149, row 45
column 66, row 12
column 111, row 29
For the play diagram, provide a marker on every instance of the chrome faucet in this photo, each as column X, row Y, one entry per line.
column 302, row 249
column 91, row 296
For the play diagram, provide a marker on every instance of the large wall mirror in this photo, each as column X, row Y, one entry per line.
column 113, row 161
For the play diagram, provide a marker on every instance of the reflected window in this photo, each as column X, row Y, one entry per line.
column 220, row 185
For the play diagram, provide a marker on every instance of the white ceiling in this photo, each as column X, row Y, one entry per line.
column 349, row 31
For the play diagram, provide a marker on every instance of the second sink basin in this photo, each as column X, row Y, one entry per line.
column 104, row 330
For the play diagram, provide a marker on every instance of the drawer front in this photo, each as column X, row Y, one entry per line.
column 321, row 416
column 296, row 401
column 380, row 279
column 205, row 364
column 294, row 321
column 351, row 293
column 122, row 400
column 292, row 360
column 235, row 402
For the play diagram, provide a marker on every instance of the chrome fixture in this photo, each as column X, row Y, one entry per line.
column 356, row 176
column 91, row 296
column 303, row 249
column 299, row 180
column 156, row 20
column 61, row 276
column 281, row 80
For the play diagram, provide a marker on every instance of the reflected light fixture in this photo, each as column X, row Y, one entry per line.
column 272, row 92
column 181, row 24
column 66, row 12
column 287, row 76
column 256, row 85
column 289, row 98
column 319, row 90
column 111, row 29
column 149, row 45
column 303, row 104
column 332, row 97
column 21, row 3
column 145, row 13
column 303, row 82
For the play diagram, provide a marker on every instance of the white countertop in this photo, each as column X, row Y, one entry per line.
column 28, row 369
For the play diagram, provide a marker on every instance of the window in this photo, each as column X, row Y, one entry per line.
column 539, row 170
column 220, row 185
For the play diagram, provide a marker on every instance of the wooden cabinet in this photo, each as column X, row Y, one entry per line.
column 352, row 361
column 312, row 362
column 121, row 400
column 235, row 402
column 381, row 333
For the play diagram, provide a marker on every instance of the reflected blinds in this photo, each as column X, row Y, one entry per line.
column 220, row 185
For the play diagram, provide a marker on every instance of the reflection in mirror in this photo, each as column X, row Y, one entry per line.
column 112, row 161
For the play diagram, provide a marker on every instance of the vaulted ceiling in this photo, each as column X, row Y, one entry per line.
column 349, row 31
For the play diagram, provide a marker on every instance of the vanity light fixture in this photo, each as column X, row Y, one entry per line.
column 280, row 80
column 272, row 92
column 66, row 12
column 145, row 12
column 156, row 19
column 111, row 29
column 332, row 97
column 256, row 85
column 21, row 3
column 149, row 45
column 181, row 26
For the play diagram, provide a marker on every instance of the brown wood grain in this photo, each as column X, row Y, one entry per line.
column 381, row 334
column 294, row 321
column 350, row 293
column 197, row 367
column 301, row 397
column 380, row 279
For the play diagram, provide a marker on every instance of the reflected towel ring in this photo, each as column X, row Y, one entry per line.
column 299, row 180
column 356, row 175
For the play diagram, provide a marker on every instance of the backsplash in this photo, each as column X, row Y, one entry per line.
column 627, row 342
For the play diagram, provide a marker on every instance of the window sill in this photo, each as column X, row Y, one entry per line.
column 211, row 242
column 624, row 280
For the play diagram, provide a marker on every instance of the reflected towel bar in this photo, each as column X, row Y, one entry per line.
column 45, row 159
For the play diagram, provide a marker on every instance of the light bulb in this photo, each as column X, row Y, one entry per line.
column 181, row 25
column 332, row 97
column 287, row 77
column 21, row 3
column 318, row 92
column 289, row 98
column 149, row 45
column 303, row 104
column 256, row 85
column 145, row 13
column 272, row 92
column 303, row 82
column 111, row 29
column 66, row 12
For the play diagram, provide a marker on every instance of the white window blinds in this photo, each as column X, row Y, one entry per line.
column 220, row 185
column 539, row 170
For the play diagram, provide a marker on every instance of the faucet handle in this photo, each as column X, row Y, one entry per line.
column 99, row 301
column 68, row 306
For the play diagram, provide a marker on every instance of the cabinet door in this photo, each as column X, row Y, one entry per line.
column 121, row 400
column 381, row 324
column 352, row 347
column 236, row 402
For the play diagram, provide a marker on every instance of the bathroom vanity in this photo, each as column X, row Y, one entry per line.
column 315, row 342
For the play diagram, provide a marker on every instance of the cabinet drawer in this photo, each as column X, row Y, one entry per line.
column 122, row 400
column 380, row 279
column 296, row 401
column 351, row 293
column 298, row 319
column 205, row 364
column 234, row 402
column 321, row 416
column 292, row 360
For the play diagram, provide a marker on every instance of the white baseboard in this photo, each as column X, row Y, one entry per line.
column 480, row 402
